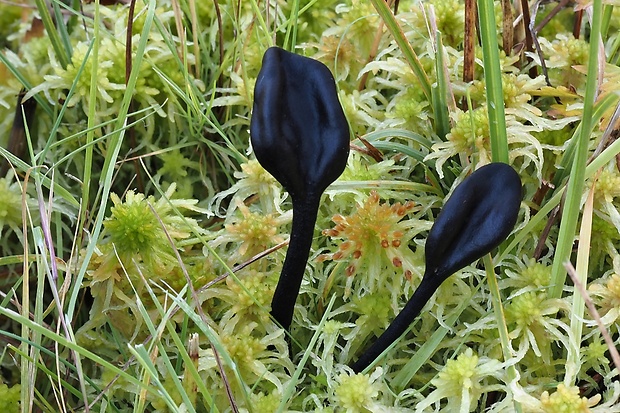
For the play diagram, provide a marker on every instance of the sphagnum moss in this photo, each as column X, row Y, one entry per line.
column 564, row 399
column 373, row 230
column 203, row 111
column 462, row 381
column 10, row 398
column 356, row 393
column 10, row 204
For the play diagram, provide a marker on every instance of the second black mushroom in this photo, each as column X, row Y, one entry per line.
column 479, row 215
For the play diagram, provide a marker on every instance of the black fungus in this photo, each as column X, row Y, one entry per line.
column 300, row 135
column 479, row 215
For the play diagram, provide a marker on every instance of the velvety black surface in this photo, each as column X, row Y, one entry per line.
column 300, row 135
column 298, row 130
column 479, row 215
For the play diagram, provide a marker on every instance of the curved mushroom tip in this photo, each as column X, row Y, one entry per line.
column 478, row 216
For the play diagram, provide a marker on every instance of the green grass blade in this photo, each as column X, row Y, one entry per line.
column 18, row 75
column 440, row 93
column 493, row 80
column 191, row 368
column 144, row 358
column 290, row 389
column 90, row 134
column 502, row 328
column 114, row 147
column 70, row 344
column 53, row 374
column 600, row 108
column 573, row 359
column 399, row 36
column 62, row 28
column 262, row 26
column 290, row 39
column 576, row 181
column 604, row 158
column 63, row 55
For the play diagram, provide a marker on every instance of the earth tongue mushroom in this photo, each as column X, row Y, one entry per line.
column 300, row 135
column 479, row 215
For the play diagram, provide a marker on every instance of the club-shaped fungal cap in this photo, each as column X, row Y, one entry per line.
column 298, row 129
column 478, row 216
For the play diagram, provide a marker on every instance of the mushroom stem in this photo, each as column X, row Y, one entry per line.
column 305, row 210
column 412, row 309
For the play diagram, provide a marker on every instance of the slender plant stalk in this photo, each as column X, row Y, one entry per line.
column 607, row 16
column 261, row 23
column 397, row 32
column 156, row 347
column 573, row 359
column 290, row 39
column 611, row 345
column 191, row 369
column 530, row 38
column 469, row 41
column 493, row 81
column 23, row 166
column 290, row 389
column 440, row 92
column 195, row 31
column 63, row 55
column 215, row 341
column 47, row 266
column 502, row 328
column 41, row 156
column 565, row 167
column 113, row 147
column 62, row 28
column 27, row 389
column 401, row 323
column 605, row 157
column 53, row 375
column 576, row 181
column 70, row 344
column 507, row 30
column 90, row 134
column 150, row 375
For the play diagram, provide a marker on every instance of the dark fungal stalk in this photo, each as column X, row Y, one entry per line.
column 479, row 215
column 300, row 135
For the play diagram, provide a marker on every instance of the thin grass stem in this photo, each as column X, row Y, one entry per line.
column 573, row 359
column 290, row 389
column 70, row 344
column 64, row 56
column 399, row 36
column 576, row 181
column 290, row 39
column 502, row 328
column 62, row 28
column 493, row 80
column 597, row 163
column 440, row 91
column 114, row 147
